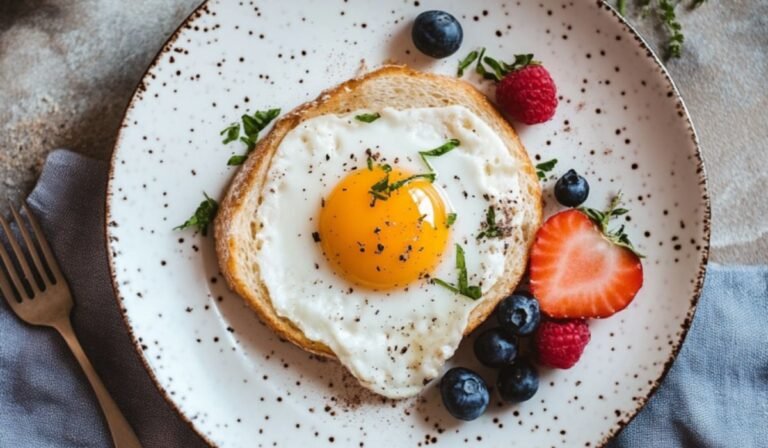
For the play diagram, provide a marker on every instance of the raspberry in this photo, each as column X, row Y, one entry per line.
column 528, row 94
column 560, row 343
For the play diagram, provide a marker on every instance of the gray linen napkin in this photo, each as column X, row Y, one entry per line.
column 715, row 395
column 45, row 399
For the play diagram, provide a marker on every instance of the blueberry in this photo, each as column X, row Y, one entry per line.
column 519, row 314
column 518, row 382
column 495, row 347
column 465, row 394
column 571, row 189
column 437, row 34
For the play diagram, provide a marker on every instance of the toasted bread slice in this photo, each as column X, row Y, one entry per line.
column 390, row 86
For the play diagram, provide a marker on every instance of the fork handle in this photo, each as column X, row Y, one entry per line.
column 122, row 433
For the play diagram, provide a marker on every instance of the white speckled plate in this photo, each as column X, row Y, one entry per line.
column 620, row 121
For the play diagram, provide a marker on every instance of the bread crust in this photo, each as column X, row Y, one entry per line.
column 245, row 190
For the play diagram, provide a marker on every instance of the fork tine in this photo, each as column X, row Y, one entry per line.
column 11, row 272
column 7, row 290
column 30, row 247
column 40, row 236
column 20, row 257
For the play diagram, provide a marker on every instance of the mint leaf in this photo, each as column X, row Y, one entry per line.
column 202, row 217
column 394, row 186
column 439, row 151
column 382, row 185
column 382, row 189
column 450, row 219
column 236, row 160
column 544, row 167
column 232, row 132
column 446, row 285
column 491, row 229
column 252, row 125
column 473, row 292
column 461, row 266
column 368, row 118
column 264, row 117
column 462, row 287
column 379, row 196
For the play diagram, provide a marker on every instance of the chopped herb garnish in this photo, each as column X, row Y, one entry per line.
column 462, row 287
column 378, row 196
column 544, row 167
column 395, row 185
column 697, row 3
column 603, row 218
column 439, row 151
column 368, row 118
column 446, row 285
column 379, row 190
column 382, row 189
column 369, row 162
column 251, row 128
column 236, row 160
column 316, row 237
column 466, row 62
column 263, row 118
column 252, row 125
column 450, row 219
column 232, row 132
column 491, row 229
column 203, row 216
column 381, row 186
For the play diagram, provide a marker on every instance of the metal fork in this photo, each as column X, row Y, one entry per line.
column 41, row 296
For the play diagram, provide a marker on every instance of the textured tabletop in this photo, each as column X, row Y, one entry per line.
column 68, row 69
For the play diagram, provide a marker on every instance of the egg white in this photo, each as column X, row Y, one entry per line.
column 394, row 341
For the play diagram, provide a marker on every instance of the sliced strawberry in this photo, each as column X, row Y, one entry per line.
column 580, row 269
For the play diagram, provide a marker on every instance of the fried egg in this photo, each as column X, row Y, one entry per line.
column 359, row 236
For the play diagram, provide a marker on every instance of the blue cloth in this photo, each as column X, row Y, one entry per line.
column 715, row 395
column 45, row 399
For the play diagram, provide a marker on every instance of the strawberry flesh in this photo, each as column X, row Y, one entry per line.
column 577, row 272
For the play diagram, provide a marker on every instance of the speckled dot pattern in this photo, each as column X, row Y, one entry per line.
column 620, row 122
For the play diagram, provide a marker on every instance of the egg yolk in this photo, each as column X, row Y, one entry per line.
column 387, row 242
